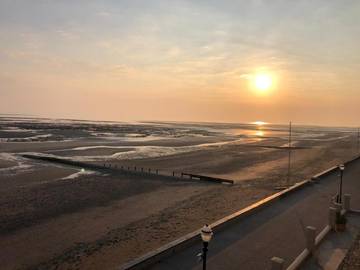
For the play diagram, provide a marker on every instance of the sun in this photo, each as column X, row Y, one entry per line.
column 262, row 82
column 259, row 123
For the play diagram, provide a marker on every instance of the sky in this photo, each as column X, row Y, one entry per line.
column 181, row 60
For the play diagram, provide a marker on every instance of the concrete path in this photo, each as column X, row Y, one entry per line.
column 277, row 230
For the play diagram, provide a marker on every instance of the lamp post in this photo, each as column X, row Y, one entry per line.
column 206, row 235
column 341, row 168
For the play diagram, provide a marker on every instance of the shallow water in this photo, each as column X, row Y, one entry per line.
column 220, row 135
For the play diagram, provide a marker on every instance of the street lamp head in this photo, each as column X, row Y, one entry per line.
column 206, row 233
column 341, row 167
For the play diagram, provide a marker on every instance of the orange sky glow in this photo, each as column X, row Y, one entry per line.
column 227, row 61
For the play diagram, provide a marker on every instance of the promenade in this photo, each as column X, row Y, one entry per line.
column 275, row 230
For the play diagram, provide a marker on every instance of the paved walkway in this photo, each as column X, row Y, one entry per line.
column 333, row 249
column 274, row 231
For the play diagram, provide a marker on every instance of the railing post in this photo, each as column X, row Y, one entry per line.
column 347, row 199
column 332, row 217
column 338, row 206
column 310, row 238
column 277, row 263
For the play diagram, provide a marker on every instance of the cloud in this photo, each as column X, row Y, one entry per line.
column 120, row 68
column 67, row 34
column 246, row 76
column 174, row 51
column 104, row 14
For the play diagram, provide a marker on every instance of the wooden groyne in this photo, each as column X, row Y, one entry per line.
column 208, row 178
column 65, row 162
column 132, row 170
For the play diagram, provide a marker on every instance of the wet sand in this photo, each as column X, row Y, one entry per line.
column 6, row 164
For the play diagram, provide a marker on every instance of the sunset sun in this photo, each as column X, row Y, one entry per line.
column 263, row 82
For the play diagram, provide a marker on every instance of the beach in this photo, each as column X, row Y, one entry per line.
column 60, row 217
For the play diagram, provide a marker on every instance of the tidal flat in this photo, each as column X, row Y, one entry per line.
column 54, row 216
